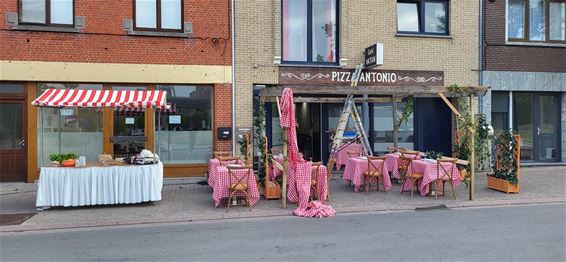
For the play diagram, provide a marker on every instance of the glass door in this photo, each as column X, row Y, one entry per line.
column 523, row 123
column 129, row 128
column 12, row 142
column 548, row 127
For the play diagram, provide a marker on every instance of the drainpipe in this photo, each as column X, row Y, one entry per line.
column 232, row 32
column 480, row 56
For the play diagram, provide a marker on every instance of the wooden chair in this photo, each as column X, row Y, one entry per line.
column 218, row 154
column 353, row 154
column 228, row 160
column 238, row 182
column 375, row 171
column 410, row 176
column 393, row 149
column 444, row 174
column 314, row 179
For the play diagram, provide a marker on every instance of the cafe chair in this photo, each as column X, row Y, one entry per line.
column 393, row 149
column 314, row 179
column 353, row 154
column 375, row 171
column 218, row 154
column 229, row 160
column 444, row 174
column 409, row 173
column 238, row 177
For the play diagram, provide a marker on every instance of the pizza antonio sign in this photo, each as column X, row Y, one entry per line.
column 325, row 76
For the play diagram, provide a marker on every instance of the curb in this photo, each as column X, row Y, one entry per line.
column 279, row 213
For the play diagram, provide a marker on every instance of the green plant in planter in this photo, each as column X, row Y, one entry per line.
column 507, row 169
column 433, row 154
column 62, row 157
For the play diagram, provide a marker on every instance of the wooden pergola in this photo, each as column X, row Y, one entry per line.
column 318, row 93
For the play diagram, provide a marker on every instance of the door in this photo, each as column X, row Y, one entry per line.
column 129, row 128
column 13, row 158
column 433, row 126
column 536, row 117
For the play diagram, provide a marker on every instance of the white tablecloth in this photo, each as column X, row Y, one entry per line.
column 83, row 186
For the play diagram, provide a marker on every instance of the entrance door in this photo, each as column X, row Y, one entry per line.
column 308, row 130
column 433, row 126
column 12, row 142
column 536, row 119
column 129, row 129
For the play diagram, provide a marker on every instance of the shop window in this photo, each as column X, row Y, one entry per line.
column 383, row 127
column 422, row 17
column 69, row 129
column 161, row 15
column 185, row 135
column 500, row 111
column 47, row 12
column 309, row 31
column 536, row 20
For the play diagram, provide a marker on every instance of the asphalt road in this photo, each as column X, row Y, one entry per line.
column 521, row 233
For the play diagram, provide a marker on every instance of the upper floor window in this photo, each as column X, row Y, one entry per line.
column 166, row 15
column 46, row 12
column 422, row 17
column 536, row 20
column 309, row 31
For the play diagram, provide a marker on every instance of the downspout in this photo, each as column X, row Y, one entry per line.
column 480, row 56
column 232, row 32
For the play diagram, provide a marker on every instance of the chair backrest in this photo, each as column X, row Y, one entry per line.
column 442, row 171
column 411, row 154
column 237, row 177
column 315, row 170
column 406, row 164
column 393, row 149
column 353, row 154
column 330, row 166
column 218, row 154
column 373, row 166
column 228, row 160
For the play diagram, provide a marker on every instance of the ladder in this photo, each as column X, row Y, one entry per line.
column 349, row 110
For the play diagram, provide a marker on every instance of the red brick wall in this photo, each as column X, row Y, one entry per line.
column 104, row 39
column 222, row 114
column 501, row 57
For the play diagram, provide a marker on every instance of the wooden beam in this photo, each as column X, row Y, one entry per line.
column 473, row 154
column 395, row 129
column 31, row 140
column 416, row 91
column 285, row 164
column 455, row 111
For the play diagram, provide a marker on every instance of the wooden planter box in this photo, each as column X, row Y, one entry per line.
column 272, row 190
column 502, row 185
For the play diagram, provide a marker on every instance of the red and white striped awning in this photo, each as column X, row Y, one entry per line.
column 101, row 98
column 168, row 109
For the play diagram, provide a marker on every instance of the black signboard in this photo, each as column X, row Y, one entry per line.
column 370, row 56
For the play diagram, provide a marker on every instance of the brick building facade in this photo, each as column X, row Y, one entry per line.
column 524, row 63
column 261, row 62
column 183, row 47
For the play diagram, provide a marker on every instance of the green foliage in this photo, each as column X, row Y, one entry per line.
column 259, row 129
column 406, row 113
column 507, row 168
column 433, row 154
column 61, row 157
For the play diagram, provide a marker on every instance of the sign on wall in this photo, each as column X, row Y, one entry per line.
column 334, row 76
column 373, row 55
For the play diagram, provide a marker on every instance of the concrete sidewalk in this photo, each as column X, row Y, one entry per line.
column 185, row 200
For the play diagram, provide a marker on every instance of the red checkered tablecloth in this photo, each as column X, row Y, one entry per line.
column 303, row 183
column 220, row 187
column 393, row 161
column 355, row 168
column 429, row 171
column 342, row 157
column 213, row 165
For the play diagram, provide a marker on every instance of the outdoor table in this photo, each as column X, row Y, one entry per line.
column 99, row 185
column 342, row 157
column 393, row 160
column 355, row 168
column 429, row 169
column 220, row 186
column 302, row 183
column 213, row 165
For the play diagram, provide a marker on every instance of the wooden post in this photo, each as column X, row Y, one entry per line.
column 473, row 152
column 395, row 127
column 285, row 164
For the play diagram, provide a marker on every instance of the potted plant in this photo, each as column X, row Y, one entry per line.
column 66, row 160
column 506, row 171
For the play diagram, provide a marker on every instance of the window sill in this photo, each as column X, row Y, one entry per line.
column 309, row 65
column 42, row 28
column 424, row 36
column 535, row 44
column 158, row 33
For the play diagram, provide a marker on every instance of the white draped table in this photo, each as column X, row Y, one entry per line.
column 84, row 186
